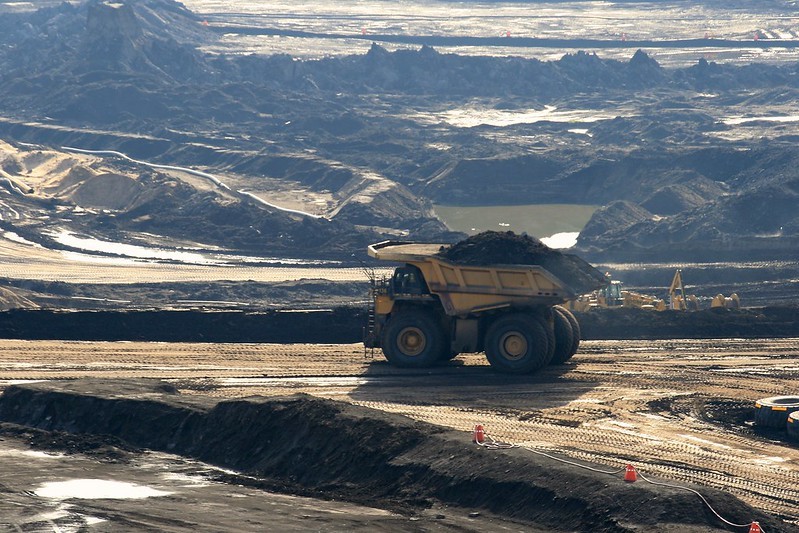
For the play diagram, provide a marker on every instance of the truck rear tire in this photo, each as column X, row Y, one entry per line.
column 517, row 343
column 563, row 339
column 549, row 328
column 413, row 339
column 577, row 333
column 567, row 339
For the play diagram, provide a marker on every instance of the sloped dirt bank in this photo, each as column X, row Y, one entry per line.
column 312, row 446
column 341, row 325
column 346, row 325
column 765, row 322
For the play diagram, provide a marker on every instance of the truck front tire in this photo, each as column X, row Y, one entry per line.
column 413, row 339
column 517, row 343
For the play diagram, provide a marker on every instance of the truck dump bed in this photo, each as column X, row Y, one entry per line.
column 465, row 289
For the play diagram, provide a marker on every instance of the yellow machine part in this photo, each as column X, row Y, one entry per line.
column 728, row 302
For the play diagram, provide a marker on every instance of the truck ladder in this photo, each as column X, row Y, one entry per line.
column 369, row 329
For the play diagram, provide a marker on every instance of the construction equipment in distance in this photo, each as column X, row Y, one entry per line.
column 678, row 300
column 431, row 310
column 727, row 302
column 614, row 295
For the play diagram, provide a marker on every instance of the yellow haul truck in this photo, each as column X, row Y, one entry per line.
column 432, row 309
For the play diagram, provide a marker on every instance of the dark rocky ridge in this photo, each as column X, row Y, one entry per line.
column 123, row 69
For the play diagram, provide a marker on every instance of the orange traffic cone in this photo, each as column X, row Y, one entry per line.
column 479, row 434
column 755, row 528
column 629, row 474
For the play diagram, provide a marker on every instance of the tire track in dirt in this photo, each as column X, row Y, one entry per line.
column 615, row 402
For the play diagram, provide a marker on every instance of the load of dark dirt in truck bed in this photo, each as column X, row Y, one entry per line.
column 509, row 248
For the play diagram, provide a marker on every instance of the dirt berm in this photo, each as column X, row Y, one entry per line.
column 316, row 447
column 345, row 325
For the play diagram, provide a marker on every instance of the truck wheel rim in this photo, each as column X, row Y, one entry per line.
column 513, row 345
column 411, row 341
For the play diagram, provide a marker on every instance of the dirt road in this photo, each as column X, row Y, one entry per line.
column 679, row 410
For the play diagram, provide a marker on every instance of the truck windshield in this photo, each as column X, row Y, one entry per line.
column 409, row 280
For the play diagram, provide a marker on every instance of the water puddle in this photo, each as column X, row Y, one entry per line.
column 11, row 236
column 558, row 225
column 736, row 121
column 468, row 117
column 130, row 254
column 185, row 480
column 562, row 240
column 295, row 381
column 94, row 489
column 29, row 454
column 128, row 250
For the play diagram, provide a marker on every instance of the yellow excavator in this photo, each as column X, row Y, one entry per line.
column 678, row 300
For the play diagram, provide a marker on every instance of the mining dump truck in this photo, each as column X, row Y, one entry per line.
column 431, row 309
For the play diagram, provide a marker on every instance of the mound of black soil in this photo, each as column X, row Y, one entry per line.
column 509, row 248
column 345, row 325
column 341, row 325
column 313, row 446
column 616, row 216
column 759, row 222
column 768, row 322
column 102, row 447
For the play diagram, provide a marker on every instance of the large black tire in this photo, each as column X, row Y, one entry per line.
column 773, row 412
column 413, row 339
column 576, row 333
column 793, row 426
column 563, row 338
column 548, row 323
column 517, row 343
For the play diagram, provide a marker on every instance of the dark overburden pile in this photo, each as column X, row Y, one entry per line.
column 495, row 247
column 345, row 325
column 508, row 248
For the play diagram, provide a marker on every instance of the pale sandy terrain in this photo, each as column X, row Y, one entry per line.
column 675, row 409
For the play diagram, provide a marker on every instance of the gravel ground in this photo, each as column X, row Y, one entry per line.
column 679, row 410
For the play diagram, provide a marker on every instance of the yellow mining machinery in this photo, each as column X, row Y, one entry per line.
column 615, row 295
column 678, row 300
column 432, row 309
